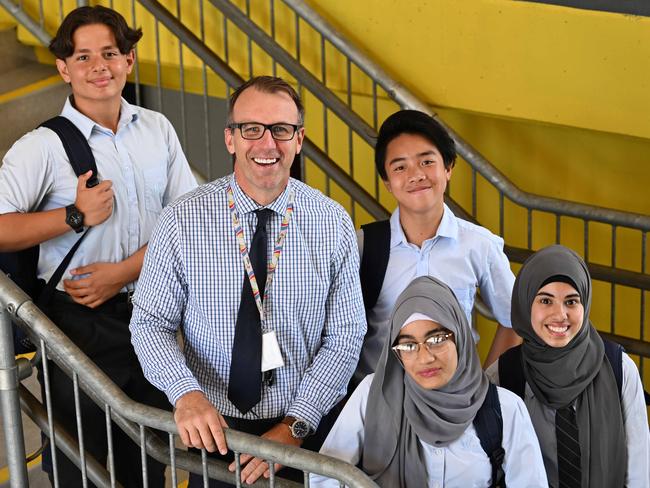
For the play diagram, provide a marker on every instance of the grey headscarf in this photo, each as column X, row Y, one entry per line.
column 578, row 371
column 400, row 411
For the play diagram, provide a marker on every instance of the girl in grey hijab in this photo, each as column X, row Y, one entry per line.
column 410, row 424
column 566, row 370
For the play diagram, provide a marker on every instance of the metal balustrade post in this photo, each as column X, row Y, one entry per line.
column 10, row 406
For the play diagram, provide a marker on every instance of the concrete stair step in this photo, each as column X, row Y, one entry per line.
column 24, row 113
column 13, row 54
column 23, row 75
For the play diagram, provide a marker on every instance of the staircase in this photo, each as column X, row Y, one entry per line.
column 30, row 92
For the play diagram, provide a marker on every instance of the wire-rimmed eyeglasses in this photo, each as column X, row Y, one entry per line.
column 253, row 131
column 434, row 344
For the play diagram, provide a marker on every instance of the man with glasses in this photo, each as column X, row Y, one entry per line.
column 260, row 272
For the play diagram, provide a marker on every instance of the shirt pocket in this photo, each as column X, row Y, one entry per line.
column 154, row 189
column 465, row 297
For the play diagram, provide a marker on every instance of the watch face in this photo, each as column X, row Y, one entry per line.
column 75, row 219
column 300, row 429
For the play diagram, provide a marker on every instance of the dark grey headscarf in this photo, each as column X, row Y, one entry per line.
column 578, row 371
column 400, row 411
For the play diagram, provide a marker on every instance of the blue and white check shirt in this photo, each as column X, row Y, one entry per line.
column 192, row 279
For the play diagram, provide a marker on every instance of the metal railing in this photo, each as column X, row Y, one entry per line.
column 347, row 95
column 133, row 418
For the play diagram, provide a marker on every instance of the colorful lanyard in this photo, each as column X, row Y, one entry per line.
column 243, row 250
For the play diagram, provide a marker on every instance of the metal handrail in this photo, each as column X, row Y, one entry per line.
column 473, row 157
column 72, row 358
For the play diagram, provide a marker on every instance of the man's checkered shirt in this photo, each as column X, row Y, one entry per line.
column 192, row 279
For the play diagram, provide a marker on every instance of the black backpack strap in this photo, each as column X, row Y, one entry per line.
column 374, row 260
column 76, row 147
column 488, row 423
column 46, row 294
column 614, row 353
column 511, row 371
column 82, row 160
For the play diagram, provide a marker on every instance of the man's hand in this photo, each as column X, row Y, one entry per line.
column 253, row 468
column 199, row 424
column 104, row 281
column 96, row 204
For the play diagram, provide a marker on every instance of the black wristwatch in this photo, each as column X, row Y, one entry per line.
column 299, row 428
column 74, row 218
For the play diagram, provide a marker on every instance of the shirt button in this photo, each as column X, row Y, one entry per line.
column 438, row 452
column 436, row 485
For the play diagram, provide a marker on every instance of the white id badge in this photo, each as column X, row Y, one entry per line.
column 271, row 355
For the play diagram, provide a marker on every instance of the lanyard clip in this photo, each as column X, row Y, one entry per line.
column 268, row 378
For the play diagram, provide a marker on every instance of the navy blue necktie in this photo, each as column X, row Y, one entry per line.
column 568, row 448
column 245, row 385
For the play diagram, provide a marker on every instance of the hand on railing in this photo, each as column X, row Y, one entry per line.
column 199, row 423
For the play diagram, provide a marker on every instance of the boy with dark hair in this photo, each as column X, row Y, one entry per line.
column 141, row 168
column 415, row 157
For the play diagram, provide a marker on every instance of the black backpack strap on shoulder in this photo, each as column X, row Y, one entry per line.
column 82, row 160
column 75, row 145
column 488, row 423
column 511, row 371
column 374, row 260
column 614, row 353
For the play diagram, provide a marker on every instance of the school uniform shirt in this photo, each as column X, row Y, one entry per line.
column 635, row 419
column 192, row 280
column 143, row 159
column 461, row 463
column 463, row 255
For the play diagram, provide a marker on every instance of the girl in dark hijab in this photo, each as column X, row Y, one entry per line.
column 410, row 423
column 589, row 436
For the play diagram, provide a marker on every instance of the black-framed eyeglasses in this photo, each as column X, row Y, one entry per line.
column 434, row 344
column 255, row 130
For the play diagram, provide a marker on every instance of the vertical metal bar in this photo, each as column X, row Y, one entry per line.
column 172, row 459
column 350, row 133
column 501, row 214
column 586, row 244
column 644, row 242
column 50, row 416
column 10, row 405
column 237, row 469
column 158, row 70
column 272, row 15
column 41, row 20
column 249, row 43
column 530, row 229
column 138, row 100
column 474, row 206
column 297, row 21
column 206, row 101
column 375, row 125
column 557, row 228
column 225, row 40
column 204, row 468
column 80, row 432
column 181, row 65
column 109, row 442
column 143, row 457
column 612, row 285
column 271, row 472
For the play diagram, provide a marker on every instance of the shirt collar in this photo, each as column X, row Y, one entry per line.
column 448, row 227
column 245, row 204
column 86, row 125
